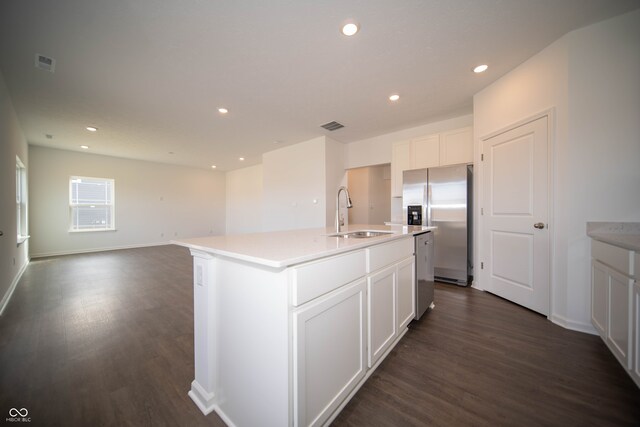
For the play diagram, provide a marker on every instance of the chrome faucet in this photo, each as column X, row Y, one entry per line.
column 349, row 205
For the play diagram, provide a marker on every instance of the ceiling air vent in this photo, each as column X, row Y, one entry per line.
column 332, row 126
column 45, row 63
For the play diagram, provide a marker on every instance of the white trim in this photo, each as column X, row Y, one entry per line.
column 573, row 325
column 7, row 296
column 110, row 248
column 204, row 400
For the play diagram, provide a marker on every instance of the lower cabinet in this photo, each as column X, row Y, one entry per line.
column 619, row 325
column 599, row 297
column 406, row 292
column 382, row 326
column 328, row 352
column 615, row 303
column 391, row 301
column 340, row 335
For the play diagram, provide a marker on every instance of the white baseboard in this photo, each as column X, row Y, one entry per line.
column 85, row 251
column 573, row 325
column 12, row 287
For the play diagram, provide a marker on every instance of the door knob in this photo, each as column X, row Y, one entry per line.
column 539, row 225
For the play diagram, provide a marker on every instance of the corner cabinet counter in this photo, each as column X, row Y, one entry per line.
column 615, row 290
column 288, row 325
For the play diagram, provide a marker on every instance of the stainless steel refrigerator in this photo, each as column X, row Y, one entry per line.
column 442, row 197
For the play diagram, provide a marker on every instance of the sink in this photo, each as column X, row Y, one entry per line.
column 361, row 234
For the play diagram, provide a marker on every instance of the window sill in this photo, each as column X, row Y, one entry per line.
column 93, row 230
column 22, row 239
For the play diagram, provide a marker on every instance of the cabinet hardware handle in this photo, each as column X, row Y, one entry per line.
column 539, row 225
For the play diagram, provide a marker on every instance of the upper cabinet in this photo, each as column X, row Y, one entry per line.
column 400, row 161
column 456, row 146
column 441, row 149
column 426, row 152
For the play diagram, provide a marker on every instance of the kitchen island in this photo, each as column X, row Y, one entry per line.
column 288, row 325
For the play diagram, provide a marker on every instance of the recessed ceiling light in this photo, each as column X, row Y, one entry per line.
column 91, row 129
column 480, row 68
column 350, row 28
column 222, row 110
column 84, row 147
column 394, row 97
column 241, row 159
column 213, row 166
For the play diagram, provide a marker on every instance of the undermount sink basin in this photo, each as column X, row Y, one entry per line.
column 360, row 234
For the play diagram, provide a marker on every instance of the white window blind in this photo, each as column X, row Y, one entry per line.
column 91, row 203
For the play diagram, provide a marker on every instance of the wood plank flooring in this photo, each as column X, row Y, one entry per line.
column 107, row 339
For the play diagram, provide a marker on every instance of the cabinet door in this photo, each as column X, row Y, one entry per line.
column 599, row 297
column 406, row 292
column 381, row 296
column 400, row 162
column 456, row 146
column 328, row 352
column 635, row 371
column 619, row 324
column 426, row 152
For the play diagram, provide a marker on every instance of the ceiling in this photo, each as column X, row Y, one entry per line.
column 151, row 74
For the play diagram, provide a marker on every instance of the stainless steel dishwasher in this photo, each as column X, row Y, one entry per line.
column 424, row 272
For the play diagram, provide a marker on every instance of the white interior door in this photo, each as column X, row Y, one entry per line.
column 515, row 215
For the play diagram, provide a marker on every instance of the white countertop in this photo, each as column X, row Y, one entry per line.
column 623, row 234
column 281, row 249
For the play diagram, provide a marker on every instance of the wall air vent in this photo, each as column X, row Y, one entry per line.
column 331, row 126
column 45, row 63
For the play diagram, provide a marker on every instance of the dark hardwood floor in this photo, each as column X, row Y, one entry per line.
column 107, row 339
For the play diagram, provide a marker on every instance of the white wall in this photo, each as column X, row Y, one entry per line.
column 154, row 202
column 377, row 150
column 590, row 78
column 370, row 189
column 299, row 184
column 244, row 200
column 293, row 177
column 335, row 177
column 13, row 257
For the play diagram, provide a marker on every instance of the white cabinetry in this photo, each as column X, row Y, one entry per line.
column 442, row 149
column 390, row 294
column 456, row 146
column 334, row 323
column 599, row 297
column 381, row 295
column 614, row 301
column 426, row 152
column 328, row 352
column 406, row 291
column 400, row 162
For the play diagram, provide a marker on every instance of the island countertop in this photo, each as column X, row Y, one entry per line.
column 281, row 249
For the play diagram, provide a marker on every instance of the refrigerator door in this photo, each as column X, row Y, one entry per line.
column 447, row 210
column 414, row 192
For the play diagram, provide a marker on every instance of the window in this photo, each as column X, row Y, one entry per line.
column 21, row 201
column 91, row 204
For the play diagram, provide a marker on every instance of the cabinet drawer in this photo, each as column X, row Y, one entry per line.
column 311, row 280
column 617, row 258
column 388, row 253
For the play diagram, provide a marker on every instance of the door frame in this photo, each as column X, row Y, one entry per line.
column 550, row 114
